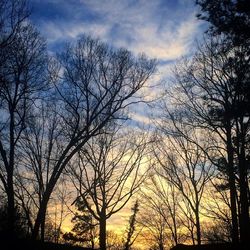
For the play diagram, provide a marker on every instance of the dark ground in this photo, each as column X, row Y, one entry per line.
column 35, row 245
column 224, row 246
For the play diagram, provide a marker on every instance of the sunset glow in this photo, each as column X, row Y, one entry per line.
column 124, row 124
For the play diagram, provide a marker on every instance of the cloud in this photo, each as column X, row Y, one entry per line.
column 153, row 27
column 162, row 29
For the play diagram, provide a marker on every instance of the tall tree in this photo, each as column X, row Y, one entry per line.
column 232, row 19
column 39, row 146
column 185, row 166
column 131, row 237
column 208, row 102
column 95, row 85
column 22, row 73
column 109, row 173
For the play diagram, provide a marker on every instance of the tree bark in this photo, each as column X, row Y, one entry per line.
column 233, row 193
column 43, row 226
column 10, row 170
column 11, row 207
column 40, row 219
column 102, row 231
column 244, row 205
column 198, row 227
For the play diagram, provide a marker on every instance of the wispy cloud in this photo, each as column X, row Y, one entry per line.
column 161, row 29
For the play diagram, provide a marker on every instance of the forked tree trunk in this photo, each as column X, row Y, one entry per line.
column 40, row 219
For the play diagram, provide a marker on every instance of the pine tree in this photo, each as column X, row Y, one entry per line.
column 131, row 227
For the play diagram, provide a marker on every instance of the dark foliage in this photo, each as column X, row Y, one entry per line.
column 20, row 226
column 83, row 230
column 37, row 245
column 227, row 16
column 226, row 246
column 131, row 227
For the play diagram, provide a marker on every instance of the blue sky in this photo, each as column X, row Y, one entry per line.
column 162, row 29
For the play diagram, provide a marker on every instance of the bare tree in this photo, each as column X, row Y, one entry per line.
column 114, row 241
column 93, row 86
column 166, row 200
column 39, row 147
column 209, row 98
column 59, row 207
column 108, row 174
column 184, row 165
column 22, row 72
column 217, row 209
column 154, row 227
column 13, row 14
column 161, row 202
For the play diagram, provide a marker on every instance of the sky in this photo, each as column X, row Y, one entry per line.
column 162, row 29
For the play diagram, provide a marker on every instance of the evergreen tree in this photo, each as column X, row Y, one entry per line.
column 231, row 19
column 84, row 229
column 131, row 227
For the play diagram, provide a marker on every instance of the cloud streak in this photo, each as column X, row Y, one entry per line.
column 158, row 28
column 162, row 29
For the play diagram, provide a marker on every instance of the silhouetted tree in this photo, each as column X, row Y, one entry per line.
column 228, row 17
column 164, row 199
column 108, row 173
column 58, row 207
column 232, row 19
column 131, row 237
column 217, row 209
column 184, row 165
column 114, row 241
column 20, row 223
column 22, row 70
column 95, row 86
column 153, row 224
column 40, row 146
column 84, row 229
column 13, row 15
column 208, row 102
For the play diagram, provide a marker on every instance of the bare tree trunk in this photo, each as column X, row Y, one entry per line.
column 198, row 227
column 102, row 231
column 42, row 227
column 40, row 219
column 244, row 206
column 10, row 170
column 11, row 205
column 161, row 245
column 233, row 193
column 235, row 231
column 92, row 244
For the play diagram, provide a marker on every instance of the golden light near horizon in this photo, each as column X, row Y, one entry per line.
column 124, row 125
